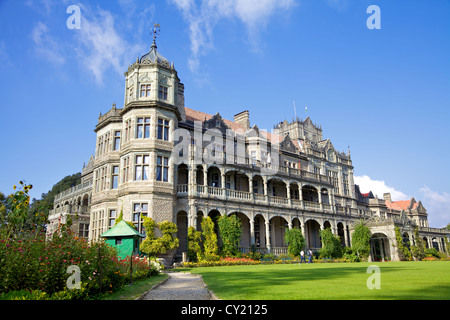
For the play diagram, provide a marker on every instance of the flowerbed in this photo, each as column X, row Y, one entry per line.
column 35, row 268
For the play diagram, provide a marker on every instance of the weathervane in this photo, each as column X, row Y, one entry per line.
column 155, row 31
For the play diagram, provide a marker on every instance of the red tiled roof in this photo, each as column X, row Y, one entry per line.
column 401, row 205
column 195, row 115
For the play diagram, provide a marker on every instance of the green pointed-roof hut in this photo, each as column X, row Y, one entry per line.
column 123, row 237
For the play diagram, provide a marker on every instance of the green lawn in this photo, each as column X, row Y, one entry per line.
column 399, row 280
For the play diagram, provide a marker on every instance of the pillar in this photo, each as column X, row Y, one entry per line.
column 268, row 236
column 252, row 231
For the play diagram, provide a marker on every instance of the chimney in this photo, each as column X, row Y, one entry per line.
column 243, row 119
column 387, row 197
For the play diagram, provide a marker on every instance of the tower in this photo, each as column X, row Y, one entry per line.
column 133, row 169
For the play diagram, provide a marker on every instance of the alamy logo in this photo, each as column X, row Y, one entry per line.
column 374, row 21
column 74, row 20
column 74, row 281
column 374, row 281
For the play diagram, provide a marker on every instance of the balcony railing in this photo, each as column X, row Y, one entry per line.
column 222, row 157
column 209, row 192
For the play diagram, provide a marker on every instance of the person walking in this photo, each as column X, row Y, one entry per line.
column 310, row 256
column 302, row 256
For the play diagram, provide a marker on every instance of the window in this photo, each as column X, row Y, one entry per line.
column 115, row 177
column 83, row 230
column 126, row 169
column 117, row 140
column 162, row 168
column 106, row 146
column 143, row 128
column 112, row 217
column 118, row 241
column 163, row 129
column 127, row 130
column 145, row 90
column 100, row 146
column 162, row 92
column 141, row 168
column 140, row 210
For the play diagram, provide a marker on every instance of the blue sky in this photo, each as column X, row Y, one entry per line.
column 385, row 93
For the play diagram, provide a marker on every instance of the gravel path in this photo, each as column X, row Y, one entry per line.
column 180, row 286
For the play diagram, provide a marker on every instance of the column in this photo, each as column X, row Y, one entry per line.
column 252, row 231
column 319, row 193
column 268, row 236
column 380, row 241
column 347, row 244
column 288, row 193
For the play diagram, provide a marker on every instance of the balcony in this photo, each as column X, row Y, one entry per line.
column 215, row 193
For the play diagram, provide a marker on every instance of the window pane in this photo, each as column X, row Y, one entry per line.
column 137, row 207
column 158, row 160
column 146, row 172
column 115, row 182
column 147, row 131
column 166, row 161
column 166, row 174
column 158, row 173
column 116, row 143
column 166, row 133
column 145, row 207
column 146, row 159
column 140, row 131
column 138, row 159
column 138, row 173
column 115, row 169
column 160, row 132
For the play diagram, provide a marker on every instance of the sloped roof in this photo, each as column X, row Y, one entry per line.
column 402, row 205
column 122, row 229
column 195, row 115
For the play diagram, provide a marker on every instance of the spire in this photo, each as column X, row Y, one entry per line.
column 153, row 55
column 155, row 31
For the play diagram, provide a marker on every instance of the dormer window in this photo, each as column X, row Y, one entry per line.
column 163, row 92
column 145, row 90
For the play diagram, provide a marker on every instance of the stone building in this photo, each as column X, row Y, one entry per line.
column 155, row 157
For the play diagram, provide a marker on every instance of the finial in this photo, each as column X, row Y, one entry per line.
column 155, row 31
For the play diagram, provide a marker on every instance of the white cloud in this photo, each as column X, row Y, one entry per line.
column 101, row 47
column 378, row 187
column 45, row 45
column 102, row 43
column 437, row 205
column 202, row 16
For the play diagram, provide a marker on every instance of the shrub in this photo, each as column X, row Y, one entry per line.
column 209, row 238
column 159, row 245
column 194, row 250
column 230, row 229
column 331, row 244
column 295, row 241
column 361, row 240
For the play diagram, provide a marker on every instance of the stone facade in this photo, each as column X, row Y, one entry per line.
column 155, row 157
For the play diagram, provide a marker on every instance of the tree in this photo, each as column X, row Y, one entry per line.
column 331, row 244
column 230, row 229
column 209, row 239
column 153, row 245
column 194, row 250
column 403, row 251
column 418, row 250
column 361, row 240
column 295, row 241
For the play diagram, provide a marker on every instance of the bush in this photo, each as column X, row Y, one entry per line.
column 295, row 241
column 331, row 245
column 230, row 229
